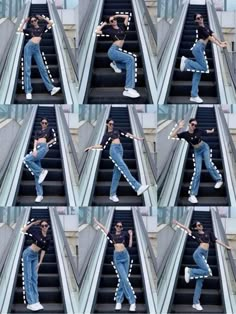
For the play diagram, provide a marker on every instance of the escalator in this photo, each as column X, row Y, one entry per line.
column 108, row 280
column 125, row 193
column 180, row 88
column 211, row 297
column 49, row 286
column 47, row 45
column 106, row 86
column 54, row 184
column 208, row 195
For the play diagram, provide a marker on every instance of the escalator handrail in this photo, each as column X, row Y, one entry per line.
column 66, row 41
column 225, row 51
column 151, row 162
column 225, row 240
column 10, row 153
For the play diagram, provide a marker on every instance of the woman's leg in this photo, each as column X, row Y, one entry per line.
column 115, row 181
column 42, row 69
column 194, row 187
column 27, row 67
column 120, row 291
column 38, row 187
column 35, row 279
column 203, row 270
column 29, row 160
column 200, row 63
column 216, row 176
column 195, row 83
column 27, row 260
column 116, row 157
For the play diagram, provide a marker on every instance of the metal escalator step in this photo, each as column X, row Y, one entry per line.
column 52, row 308
column 208, row 296
column 205, row 201
column 110, row 308
column 47, row 201
column 40, row 99
column 186, row 308
column 186, row 100
column 124, row 201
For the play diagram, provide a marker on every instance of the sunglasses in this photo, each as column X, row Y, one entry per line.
column 193, row 124
column 119, row 226
column 199, row 17
column 111, row 21
column 111, row 123
column 44, row 122
column 44, row 226
column 32, row 21
column 198, row 225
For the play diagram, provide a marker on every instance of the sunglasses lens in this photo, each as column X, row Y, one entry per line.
column 44, row 226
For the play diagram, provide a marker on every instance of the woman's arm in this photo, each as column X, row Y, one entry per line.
column 20, row 29
column 210, row 131
column 46, row 19
column 26, row 227
column 100, row 27
column 97, row 146
column 35, row 148
column 135, row 137
column 130, row 232
column 223, row 244
column 182, row 226
column 100, row 225
column 125, row 17
column 219, row 41
column 176, row 131
column 215, row 41
column 42, row 254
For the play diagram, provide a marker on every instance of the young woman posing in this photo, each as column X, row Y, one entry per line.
column 32, row 49
column 199, row 66
column 121, row 260
column 201, row 151
column 204, row 238
column 116, row 153
column 120, row 60
column 32, row 262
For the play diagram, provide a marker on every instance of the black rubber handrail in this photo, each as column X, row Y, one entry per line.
column 151, row 162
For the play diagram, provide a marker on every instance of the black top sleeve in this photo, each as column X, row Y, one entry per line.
column 202, row 132
column 36, row 135
column 107, row 31
column 27, row 31
column 122, row 132
column 105, row 139
column 52, row 134
column 182, row 135
column 212, row 237
column 204, row 32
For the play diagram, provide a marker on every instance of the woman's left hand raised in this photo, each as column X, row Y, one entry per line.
column 130, row 232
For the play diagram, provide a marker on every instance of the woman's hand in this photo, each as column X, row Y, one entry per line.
column 95, row 220
column 228, row 247
column 35, row 153
column 223, row 44
column 39, row 17
column 36, row 222
column 181, row 124
column 26, row 20
column 88, row 148
column 130, row 232
column 175, row 222
column 37, row 267
column 140, row 138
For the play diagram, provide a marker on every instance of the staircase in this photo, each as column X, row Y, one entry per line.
column 211, row 297
column 107, row 86
column 208, row 195
column 49, row 286
column 125, row 193
column 108, row 281
column 47, row 45
column 182, row 81
column 54, row 184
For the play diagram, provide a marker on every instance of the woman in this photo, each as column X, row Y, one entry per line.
column 32, row 49
column 203, row 238
column 204, row 34
column 43, row 139
column 32, row 262
column 121, row 260
column 201, row 151
column 116, row 155
column 120, row 60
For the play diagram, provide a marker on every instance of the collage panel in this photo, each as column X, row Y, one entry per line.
column 117, row 262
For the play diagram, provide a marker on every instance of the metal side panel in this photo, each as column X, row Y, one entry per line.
column 10, row 183
column 228, row 167
column 166, row 69
column 89, row 173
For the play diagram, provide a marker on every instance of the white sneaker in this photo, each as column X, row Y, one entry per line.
column 115, row 68
column 118, row 306
column 42, row 176
column 198, row 307
column 132, row 307
column 29, row 96
column 40, row 307
column 130, row 92
column 115, row 199
column 192, row 199
column 39, row 199
column 142, row 189
column 33, row 307
column 182, row 63
column 186, row 275
column 196, row 99
column 218, row 184
column 55, row 90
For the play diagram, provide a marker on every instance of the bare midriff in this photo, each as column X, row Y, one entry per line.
column 205, row 41
column 36, row 40
column 119, row 43
column 204, row 246
column 116, row 141
column 35, row 248
column 119, row 247
column 42, row 140
column 198, row 145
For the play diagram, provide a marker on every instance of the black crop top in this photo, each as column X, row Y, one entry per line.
column 115, row 34
column 35, row 32
column 206, row 237
column 204, row 32
column 109, row 136
column 123, row 237
column 38, row 238
column 193, row 138
column 47, row 133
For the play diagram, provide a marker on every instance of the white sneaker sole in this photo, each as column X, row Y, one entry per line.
column 140, row 193
column 54, row 93
column 192, row 201
column 42, row 179
column 127, row 94
column 115, row 70
column 197, row 102
column 218, row 187
column 113, row 200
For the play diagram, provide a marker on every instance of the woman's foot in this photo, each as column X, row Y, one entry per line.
column 197, row 99
column 192, row 199
column 218, row 184
column 34, row 307
column 28, row 96
column 55, row 90
column 130, row 92
column 40, row 306
column 142, row 189
column 132, row 307
column 114, row 198
column 186, row 275
column 39, row 199
column 42, row 176
column 198, row 307
column 115, row 68
column 182, row 63
column 118, row 306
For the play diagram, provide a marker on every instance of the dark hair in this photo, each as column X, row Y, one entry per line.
column 191, row 120
column 195, row 15
column 107, row 121
column 43, row 220
column 119, row 222
column 33, row 16
column 44, row 118
column 107, row 18
column 194, row 225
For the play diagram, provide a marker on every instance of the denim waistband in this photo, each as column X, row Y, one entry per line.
column 202, row 144
column 31, row 43
column 115, row 47
column 201, row 42
column 41, row 144
column 202, row 249
column 120, row 252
